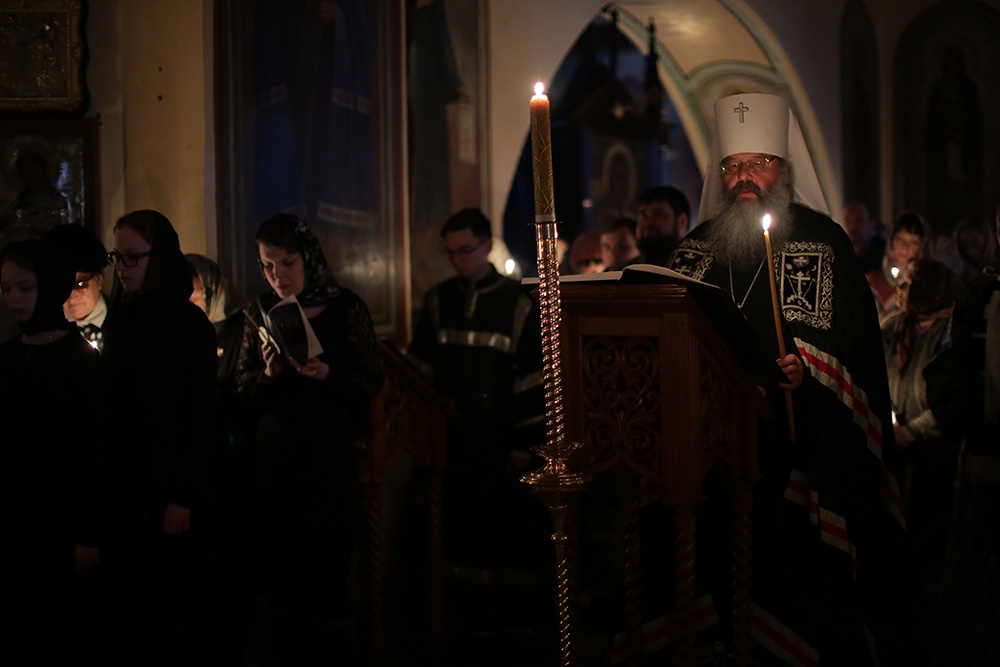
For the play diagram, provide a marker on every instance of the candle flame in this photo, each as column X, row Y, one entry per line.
column 539, row 88
column 766, row 221
column 894, row 271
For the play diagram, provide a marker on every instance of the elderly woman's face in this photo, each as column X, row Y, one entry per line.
column 83, row 299
column 284, row 270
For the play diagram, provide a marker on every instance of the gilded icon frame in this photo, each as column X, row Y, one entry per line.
column 45, row 52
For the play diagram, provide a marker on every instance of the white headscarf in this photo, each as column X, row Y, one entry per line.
column 760, row 123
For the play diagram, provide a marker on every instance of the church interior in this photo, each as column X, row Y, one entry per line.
column 376, row 120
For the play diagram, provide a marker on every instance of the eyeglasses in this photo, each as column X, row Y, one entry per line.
column 129, row 259
column 81, row 285
column 753, row 166
column 464, row 251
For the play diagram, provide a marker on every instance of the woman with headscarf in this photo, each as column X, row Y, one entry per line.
column 161, row 360
column 223, row 306
column 49, row 459
column 913, row 337
column 229, row 493
column 910, row 239
column 313, row 415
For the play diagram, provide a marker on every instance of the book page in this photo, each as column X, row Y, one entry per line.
column 602, row 277
column 659, row 271
column 289, row 328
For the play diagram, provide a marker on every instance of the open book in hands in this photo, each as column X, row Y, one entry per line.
column 287, row 328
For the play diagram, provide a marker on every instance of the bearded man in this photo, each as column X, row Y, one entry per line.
column 830, row 579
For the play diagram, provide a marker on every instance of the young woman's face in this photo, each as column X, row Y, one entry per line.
column 20, row 290
column 133, row 263
column 905, row 246
column 284, row 270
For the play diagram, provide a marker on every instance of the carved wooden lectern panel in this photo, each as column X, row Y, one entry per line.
column 720, row 409
column 621, row 399
column 651, row 387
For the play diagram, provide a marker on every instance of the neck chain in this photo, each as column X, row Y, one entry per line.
column 732, row 291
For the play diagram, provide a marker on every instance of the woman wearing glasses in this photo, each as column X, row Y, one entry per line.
column 161, row 359
column 313, row 417
column 49, row 480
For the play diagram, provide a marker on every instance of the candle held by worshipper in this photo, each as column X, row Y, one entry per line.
column 766, row 224
column 541, row 156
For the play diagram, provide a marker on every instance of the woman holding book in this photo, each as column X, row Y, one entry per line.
column 310, row 386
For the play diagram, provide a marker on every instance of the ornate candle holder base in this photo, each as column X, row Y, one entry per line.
column 558, row 487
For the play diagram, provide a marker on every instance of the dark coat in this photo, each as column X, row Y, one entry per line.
column 161, row 356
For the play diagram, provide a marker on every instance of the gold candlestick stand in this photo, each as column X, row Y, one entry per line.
column 555, row 483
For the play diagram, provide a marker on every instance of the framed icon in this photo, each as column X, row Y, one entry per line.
column 44, row 47
column 49, row 175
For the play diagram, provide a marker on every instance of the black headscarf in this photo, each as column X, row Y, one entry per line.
column 168, row 273
column 55, row 276
column 291, row 233
column 81, row 246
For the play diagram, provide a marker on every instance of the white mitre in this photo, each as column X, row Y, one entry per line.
column 760, row 123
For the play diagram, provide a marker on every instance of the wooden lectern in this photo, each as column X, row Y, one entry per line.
column 651, row 384
column 408, row 418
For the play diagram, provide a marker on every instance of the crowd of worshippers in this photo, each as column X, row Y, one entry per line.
column 145, row 528
column 208, row 512
column 180, row 464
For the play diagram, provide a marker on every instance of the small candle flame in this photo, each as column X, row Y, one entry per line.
column 766, row 221
column 539, row 88
column 894, row 271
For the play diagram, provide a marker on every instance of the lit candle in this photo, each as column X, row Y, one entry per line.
column 541, row 157
column 766, row 224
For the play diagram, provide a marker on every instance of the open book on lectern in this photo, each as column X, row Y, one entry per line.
column 717, row 304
